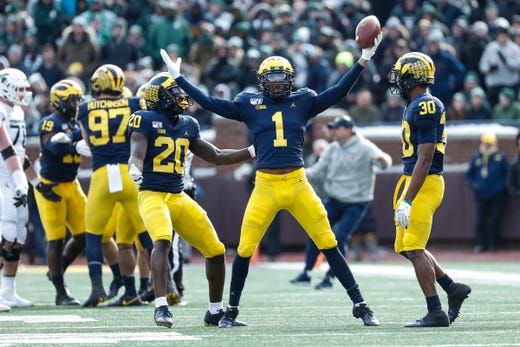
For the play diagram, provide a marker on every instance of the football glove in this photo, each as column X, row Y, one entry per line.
column 83, row 149
column 45, row 189
column 402, row 214
column 21, row 188
column 135, row 174
column 367, row 53
column 60, row 138
column 174, row 69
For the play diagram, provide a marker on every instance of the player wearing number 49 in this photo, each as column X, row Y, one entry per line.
column 423, row 135
column 160, row 140
column 276, row 118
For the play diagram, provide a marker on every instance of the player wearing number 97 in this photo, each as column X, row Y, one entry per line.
column 276, row 118
column 160, row 140
column 423, row 134
column 104, row 122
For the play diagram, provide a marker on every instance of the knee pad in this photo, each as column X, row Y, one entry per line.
column 11, row 253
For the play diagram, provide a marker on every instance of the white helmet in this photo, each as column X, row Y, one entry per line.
column 14, row 87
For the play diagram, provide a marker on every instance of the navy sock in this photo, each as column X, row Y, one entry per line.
column 129, row 283
column 66, row 261
column 445, row 282
column 94, row 253
column 146, row 241
column 116, row 272
column 433, row 303
column 340, row 268
column 143, row 284
column 239, row 272
column 311, row 255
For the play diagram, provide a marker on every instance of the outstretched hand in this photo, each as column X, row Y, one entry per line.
column 174, row 69
column 367, row 53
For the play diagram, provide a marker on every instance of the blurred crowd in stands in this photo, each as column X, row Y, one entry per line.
column 474, row 44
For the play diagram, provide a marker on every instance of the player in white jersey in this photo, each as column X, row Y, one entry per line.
column 14, row 92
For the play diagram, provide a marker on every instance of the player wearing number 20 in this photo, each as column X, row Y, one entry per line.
column 104, row 121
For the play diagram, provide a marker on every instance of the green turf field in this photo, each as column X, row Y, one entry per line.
column 278, row 313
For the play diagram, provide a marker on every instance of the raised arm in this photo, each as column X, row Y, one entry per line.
column 215, row 155
column 222, row 107
column 334, row 94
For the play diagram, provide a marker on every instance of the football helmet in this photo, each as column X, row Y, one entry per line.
column 14, row 87
column 140, row 91
column 65, row 96
column 127, row 93
column 410, row 70
column 107, row 79
column 275, row 77
column 163, row 93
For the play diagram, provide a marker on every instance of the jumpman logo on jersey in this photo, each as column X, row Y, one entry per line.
column 186, row 133
column 293, row 105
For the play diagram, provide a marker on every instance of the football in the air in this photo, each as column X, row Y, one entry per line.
column 366, row 31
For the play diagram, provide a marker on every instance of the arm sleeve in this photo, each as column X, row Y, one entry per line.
column 334, row 94
column 224, row 108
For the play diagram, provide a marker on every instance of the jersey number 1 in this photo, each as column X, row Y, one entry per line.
column 279, row 141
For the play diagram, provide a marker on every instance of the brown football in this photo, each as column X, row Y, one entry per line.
column 366, row 31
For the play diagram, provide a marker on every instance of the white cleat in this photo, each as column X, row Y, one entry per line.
column 4, row 308
column 13, row 300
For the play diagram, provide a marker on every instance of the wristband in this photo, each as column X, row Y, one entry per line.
column 26, row 163
column 34, row 182
column 8, row 152
column 408, row 202
column 252, row 151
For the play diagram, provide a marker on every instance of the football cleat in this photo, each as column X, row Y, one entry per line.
column 124, row 301
column 66, row 300
column 456, row 298
column 13, row 300
column 437, row 318
column 173, row 298
column 4, row 308
column 365, row 313
column 302, row 280
column 326, row 283
column 229, row 319
column 212, row 319
column 163, row 316
column 115, row 285
column 96, row 296
column 148, row 295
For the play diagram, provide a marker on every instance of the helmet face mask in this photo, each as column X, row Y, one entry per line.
column 163, row 93
column 14, row 87
column 65, row 96
column 107, row 79
column 275, row 77
column 410, row 70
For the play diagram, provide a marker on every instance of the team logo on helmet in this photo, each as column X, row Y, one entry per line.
column 107, row 79
column 411, row 69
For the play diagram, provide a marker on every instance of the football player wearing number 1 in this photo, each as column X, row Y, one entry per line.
column 423, row 134
column 276, row 118
column 104, row 122
column 160, row 140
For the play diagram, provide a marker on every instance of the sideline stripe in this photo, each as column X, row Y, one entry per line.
column 92, row 338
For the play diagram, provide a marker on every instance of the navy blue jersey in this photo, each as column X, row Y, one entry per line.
column 164, row 163
column 105, row 121
column 56, row 167
column 424, row 121
column 276, row 127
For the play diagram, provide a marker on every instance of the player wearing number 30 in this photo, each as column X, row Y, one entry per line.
column 276, row 118
column 423, row 134
column 160, row 140
column 104, row 122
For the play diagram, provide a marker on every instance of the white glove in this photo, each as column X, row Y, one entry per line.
column 174, row 69
column 252, row 151
column 367, row 53
column 83, row 148
column 402, row 214
column 135, row 174
column 21, row 188
column 61, row 138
